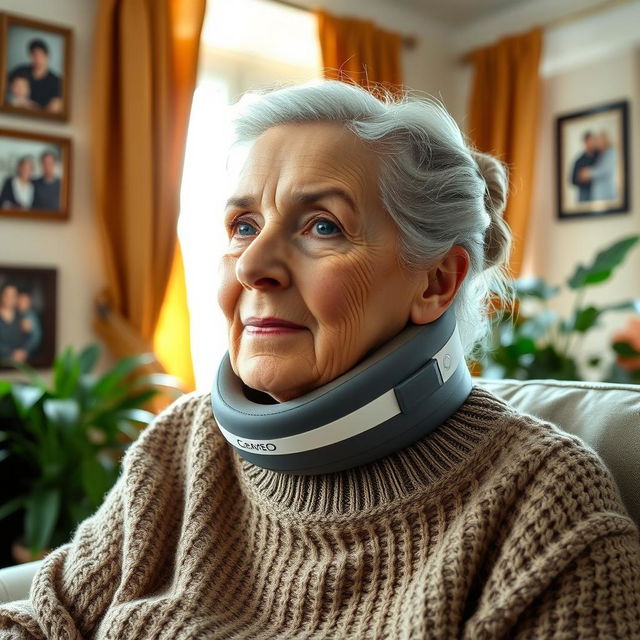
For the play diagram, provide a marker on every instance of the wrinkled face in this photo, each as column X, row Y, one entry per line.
column 311, row 280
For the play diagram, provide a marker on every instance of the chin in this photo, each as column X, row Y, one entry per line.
column 281, row 383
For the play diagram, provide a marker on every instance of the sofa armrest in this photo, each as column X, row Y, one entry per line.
column 15, row 582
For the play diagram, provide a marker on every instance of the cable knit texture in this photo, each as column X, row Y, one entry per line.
column 494, row 526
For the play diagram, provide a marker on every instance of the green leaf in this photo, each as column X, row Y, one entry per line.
column 26, row 397
column 63, row 412
column 43, row 509
column 625, row 350
column 33, row 376
column 627, row 305
column 110, row 380
column 603, row 265
column 585, row 318
column 135, row 400
column 535, row 288
column 128, row 429
column 137, row 415
column 5, row 387
column 8, row 508
column 66, row 370
column 96, row 479
column 538, row 325
column 88, row 358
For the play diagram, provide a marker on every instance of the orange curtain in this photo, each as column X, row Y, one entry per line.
column 360, row 52
column 504, row 118
column 145, row 68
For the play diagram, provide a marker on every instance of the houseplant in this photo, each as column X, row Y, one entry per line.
column 530, row 340
column 68, row 437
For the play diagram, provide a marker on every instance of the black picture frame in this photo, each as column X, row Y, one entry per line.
column 20, row 38
column 37, row 321
column 592, row 161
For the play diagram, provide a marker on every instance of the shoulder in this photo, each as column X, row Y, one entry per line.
column 552, row 478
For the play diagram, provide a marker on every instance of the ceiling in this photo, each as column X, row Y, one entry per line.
column 458, row 12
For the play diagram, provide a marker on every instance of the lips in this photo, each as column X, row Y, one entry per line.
column 270, row 325
column 271, row 322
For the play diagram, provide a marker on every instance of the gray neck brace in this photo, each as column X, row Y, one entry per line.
column 393, row 398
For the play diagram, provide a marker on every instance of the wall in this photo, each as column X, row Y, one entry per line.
column 586, row 61
column 555, row 246
column 70, row 246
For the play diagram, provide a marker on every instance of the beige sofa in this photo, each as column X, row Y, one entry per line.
column 606, row 416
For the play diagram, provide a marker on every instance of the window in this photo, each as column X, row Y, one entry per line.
column 246, row 44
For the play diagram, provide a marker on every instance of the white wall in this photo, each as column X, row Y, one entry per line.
column 70, row 246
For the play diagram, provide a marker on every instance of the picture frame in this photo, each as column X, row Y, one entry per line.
column 28, row 314
column 592, row 161
column 35, row 174
column 35, row 67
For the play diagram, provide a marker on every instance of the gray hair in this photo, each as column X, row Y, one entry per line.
column 438, row 191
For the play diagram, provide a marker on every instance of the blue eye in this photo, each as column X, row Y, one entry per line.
column 326, row 228
column 245, row 229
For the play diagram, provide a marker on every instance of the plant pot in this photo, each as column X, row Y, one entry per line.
column 21, row 554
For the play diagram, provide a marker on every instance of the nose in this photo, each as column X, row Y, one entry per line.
column 263, row 264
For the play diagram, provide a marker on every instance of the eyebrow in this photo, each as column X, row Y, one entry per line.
column 244, row 202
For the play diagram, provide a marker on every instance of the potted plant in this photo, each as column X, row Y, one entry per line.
column 67, row 439
column 530, row 340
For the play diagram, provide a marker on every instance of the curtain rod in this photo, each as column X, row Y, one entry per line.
column 408, row 42
column 574, row 16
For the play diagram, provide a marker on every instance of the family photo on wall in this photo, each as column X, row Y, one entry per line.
column 27, row 316
column 35, row 63
column 592, row 161
column 33, row 175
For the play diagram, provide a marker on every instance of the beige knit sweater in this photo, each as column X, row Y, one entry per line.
column 494, row 526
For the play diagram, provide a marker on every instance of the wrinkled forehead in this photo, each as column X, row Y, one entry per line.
column 309, row 153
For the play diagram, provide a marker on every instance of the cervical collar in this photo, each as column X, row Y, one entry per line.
column 391, row 399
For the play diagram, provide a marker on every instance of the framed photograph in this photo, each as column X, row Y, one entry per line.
column 35, row 170
column 592, row 161
column 27, row 316
column 35, row 67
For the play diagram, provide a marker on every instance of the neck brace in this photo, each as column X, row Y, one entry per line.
column 391, row 399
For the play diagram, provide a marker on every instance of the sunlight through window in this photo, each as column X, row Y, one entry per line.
column 246, row 44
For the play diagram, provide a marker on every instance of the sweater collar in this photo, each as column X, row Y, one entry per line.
column 411, row 472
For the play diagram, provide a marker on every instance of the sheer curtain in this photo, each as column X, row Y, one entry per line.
column 247, row 44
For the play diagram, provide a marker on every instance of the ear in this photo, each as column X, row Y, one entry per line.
column 439, row 287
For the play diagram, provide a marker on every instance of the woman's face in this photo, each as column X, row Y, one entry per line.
column 25, row 170
column 311, row 279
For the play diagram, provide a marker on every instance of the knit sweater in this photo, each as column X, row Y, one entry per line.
column 494, row 526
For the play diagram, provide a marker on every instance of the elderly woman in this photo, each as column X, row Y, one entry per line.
column 348, row 481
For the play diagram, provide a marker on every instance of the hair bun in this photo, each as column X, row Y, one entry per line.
column 497, row 237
